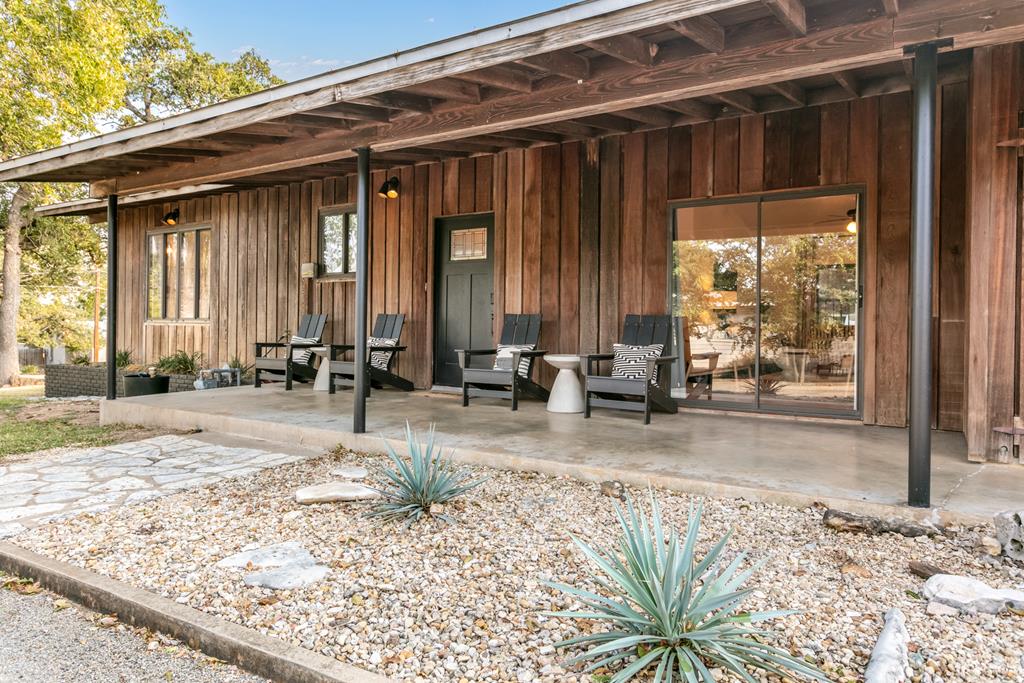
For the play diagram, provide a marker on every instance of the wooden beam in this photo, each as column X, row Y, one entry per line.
column 565, row 64
column 695, row 108
column 626, row 48
column 791, row 13
column 830, row 49
column 447, row 89
column 352, row 112
column 529, row 135
column 704, row 31
column 504, row 77
column 570, row 129
column 738, row 99
column 891, row 7
column 652, row 116
column 611, row 122
column 400, row 101
column 791, row 91
column 847, row 81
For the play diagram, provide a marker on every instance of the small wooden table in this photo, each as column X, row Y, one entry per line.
column 566, row 392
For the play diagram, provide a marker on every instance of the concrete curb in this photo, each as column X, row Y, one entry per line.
column 307, row 435
column 257, row 653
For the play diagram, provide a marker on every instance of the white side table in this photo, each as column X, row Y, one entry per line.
column 566, row 393
column 323, row 372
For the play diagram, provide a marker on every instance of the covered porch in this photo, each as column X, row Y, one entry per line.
column 799, row 462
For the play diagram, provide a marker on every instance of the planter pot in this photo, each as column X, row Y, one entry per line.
column 144, row 385
column 201, row 384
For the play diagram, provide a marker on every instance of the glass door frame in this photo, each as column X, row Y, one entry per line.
column 863, row 218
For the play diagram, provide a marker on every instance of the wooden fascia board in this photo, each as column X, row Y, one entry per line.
column 556, row 30
column 821, row 52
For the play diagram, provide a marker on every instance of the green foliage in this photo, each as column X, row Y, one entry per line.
column 670, row 611
column 80, row 359
column 410, row 489
column 236, row 364
column 21, row 435
column 769, row 386
column 181, row 363
column 30, row 369
column 123, row 358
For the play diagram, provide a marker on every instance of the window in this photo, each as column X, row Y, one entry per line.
column 338, row 241
column 469, row 244
column 179, row 275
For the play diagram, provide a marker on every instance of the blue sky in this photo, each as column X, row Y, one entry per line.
column 302, row 38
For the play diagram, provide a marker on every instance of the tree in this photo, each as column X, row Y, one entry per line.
column 68, row 66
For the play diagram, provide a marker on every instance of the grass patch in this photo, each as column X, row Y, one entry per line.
column 20, row 433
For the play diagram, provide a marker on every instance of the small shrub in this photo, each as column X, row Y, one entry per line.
column 412, row 487
column 769, row 385
column 181, row 363
column 30, row 369
column 80, row 359
column 236, row 364
column 669, row 610
column 123, row 358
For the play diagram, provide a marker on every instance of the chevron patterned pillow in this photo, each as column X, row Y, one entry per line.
column 631, row 361
column 381, row 359
column 302, row 356
column 503, row 360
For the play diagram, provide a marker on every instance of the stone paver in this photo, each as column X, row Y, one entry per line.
column 95, row 479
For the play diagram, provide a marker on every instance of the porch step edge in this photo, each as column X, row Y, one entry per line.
column 250, row 650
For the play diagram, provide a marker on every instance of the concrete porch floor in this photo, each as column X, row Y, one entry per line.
column 848, row 465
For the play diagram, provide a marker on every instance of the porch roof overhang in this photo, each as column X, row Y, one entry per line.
column 594, row 68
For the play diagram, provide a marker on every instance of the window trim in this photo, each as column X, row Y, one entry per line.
column 177, row 230
column 324, row 212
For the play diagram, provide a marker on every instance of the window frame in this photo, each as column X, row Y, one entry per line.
column 325, row 212
column 178, row 231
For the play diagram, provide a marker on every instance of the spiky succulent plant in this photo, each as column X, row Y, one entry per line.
column 669, row 611
column 412, row 487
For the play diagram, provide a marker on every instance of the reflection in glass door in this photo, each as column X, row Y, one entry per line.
column 766, row 297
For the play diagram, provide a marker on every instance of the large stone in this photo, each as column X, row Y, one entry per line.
column 120, row 484
column 11, row 529
column 334, row 492
column 288, row 577
column 1010, row 533
column 890, row 658
column 271, row 557
column 970, row 595
column 352, row 472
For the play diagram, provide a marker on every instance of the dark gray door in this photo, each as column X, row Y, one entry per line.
column 464, row 292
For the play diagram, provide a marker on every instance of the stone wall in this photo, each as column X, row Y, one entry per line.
column 91, row 380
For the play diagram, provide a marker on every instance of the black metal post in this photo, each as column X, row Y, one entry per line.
column 362, row 265
column 923, row 191
column 111, row 297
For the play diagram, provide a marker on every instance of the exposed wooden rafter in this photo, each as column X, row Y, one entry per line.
column 627, row 48
column 400, row 101
column 791, row 92
column 447, row 89
column 739, row 100
column 847, row 81
column 791, row 13
column 693, row 108
column 565, row 64
column 891, row 7
column 704, row 31
column 504, row 77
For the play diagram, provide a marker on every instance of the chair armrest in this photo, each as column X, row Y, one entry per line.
column 261, row 347
column 711, row 357
column 465, row 355
column 529, row 352
column 386, row 348
column 661, row 360
column 593, row 358
column 341, row 347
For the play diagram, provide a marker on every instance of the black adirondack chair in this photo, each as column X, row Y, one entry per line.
column 508, row 383
column 343, row 372
column 698, row 381
column 286, row 368
column 641, row 395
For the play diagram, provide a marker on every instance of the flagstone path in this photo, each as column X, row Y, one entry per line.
column 95, row 479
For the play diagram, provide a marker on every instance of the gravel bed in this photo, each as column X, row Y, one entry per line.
column 46, row 639
column 442, row 602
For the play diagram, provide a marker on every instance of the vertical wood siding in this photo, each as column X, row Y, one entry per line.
column 581, row 236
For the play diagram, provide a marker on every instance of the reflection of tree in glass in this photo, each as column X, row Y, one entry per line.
column 715, row 286
column 334, row 232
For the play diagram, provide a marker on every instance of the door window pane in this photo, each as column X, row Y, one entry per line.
column 171, row 274
column 809, row 301
column 204, row 274
column 155, row 290
column 469, row 244
column 714, row 301
column 337, row 242
column 178, row 284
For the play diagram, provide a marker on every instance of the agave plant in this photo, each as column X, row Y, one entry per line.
column 411, row 488
column 669, row 611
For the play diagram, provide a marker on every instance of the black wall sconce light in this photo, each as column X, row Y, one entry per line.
column 389, row 190
column 171, row 217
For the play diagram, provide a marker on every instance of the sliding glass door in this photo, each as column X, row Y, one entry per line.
column 765, row 298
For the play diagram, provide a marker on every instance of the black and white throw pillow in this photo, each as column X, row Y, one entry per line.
column 302, row 356
column 631, row 361
column 380, row 359
column 503, row 361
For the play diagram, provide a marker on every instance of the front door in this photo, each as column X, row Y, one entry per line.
column 464, row 292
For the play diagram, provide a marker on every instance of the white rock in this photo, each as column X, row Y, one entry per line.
column 971, row 595
column 288, row 577
column 334, row 492
column 890, row 658
column 60, row 496
column 143, row 497
column 9, row 530
column 11, row 514
column 353, row 472
column 271, row 557
column 937, row 609
column 1010, row 532
column 119, row 484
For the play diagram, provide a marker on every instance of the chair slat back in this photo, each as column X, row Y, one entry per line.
column 642, row 330
column 522, row 328
column 684, row 339
column 312, row 326
column 389, row 325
